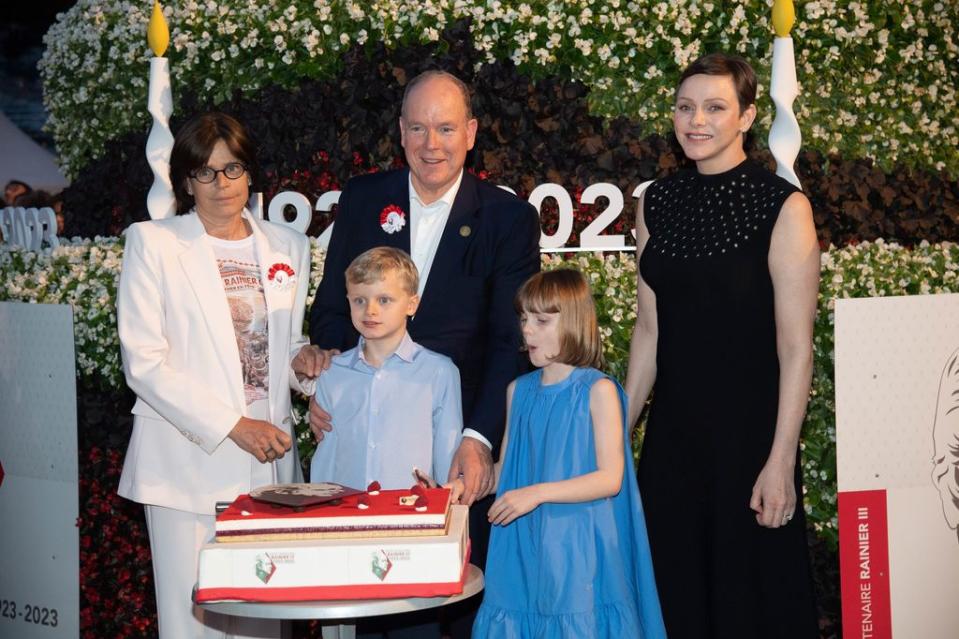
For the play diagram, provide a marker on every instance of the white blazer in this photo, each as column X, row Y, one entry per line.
column 181, row 358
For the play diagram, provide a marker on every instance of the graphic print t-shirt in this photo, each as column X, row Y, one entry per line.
column 240, row 272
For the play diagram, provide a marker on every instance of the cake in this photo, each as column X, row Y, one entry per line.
column 339, row 551
column 372, row 514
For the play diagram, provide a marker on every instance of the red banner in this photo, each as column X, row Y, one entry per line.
column 864, row 565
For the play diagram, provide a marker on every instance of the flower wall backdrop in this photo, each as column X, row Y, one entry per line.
column 84, row 274
column 313, row 137
column 573, row 92
column 879, row 77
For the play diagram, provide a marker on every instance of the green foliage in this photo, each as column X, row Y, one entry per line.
column 879, row 78
column 84, row 274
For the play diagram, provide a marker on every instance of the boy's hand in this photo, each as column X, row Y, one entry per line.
column 320, row 420
column 474, row 462
column 456, row 489
column 513, row 504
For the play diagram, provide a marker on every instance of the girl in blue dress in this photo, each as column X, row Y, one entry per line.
column 568, row 554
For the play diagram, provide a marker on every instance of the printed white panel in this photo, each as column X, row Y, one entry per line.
column 897, row 379
column 39, row 562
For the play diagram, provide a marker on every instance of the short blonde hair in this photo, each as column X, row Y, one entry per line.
column 565, row 291
column 373, row 265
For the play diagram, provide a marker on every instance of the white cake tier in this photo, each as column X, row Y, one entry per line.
column 326, row 569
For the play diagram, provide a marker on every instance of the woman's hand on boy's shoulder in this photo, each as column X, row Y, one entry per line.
column 514, row 504
column 311, row 360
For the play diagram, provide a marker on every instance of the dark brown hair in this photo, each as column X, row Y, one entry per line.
column 566, row 292
column 194, row 143
column 744, row 78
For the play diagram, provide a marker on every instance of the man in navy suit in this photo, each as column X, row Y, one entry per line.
column 473, row 243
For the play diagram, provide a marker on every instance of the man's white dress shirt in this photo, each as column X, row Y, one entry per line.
column 427, row 222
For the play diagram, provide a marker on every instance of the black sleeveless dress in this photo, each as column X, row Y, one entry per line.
column 713, row 416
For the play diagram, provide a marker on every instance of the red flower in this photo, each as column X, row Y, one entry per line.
column 392, row 218
column 276, row 268
column 281, row 276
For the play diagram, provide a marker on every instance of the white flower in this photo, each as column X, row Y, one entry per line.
column 897, row 81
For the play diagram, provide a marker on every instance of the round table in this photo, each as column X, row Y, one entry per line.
column 347, row 610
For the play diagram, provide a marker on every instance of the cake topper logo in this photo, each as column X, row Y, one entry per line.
column 381, row 565
column 264, row 567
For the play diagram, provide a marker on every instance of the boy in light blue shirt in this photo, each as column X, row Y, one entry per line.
column 394, row 405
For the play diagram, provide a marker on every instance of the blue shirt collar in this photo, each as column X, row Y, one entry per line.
column 406, row 351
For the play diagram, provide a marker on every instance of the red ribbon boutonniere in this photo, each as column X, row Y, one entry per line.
column 392, row 218
column 281, row 276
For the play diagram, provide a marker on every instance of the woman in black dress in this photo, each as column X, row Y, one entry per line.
column 728, row 281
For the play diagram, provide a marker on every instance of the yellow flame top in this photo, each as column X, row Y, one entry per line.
column 784, row 15
column 158, row 35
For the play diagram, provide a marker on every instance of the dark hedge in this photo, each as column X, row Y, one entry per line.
column 314, row 137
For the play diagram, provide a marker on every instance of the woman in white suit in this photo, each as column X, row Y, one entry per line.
column 210, row 312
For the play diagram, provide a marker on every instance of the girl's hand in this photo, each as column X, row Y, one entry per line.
column 457, row 488
column 513, row 504
column 774, row 495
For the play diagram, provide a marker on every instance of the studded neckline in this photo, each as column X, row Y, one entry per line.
column 709, row 178
column 690, row 215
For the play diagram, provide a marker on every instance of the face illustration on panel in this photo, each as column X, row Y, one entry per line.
column 945, row 471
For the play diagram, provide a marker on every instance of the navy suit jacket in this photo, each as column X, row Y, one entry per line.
column 489, row 247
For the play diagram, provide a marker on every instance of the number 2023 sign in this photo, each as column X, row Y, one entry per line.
column 591, row 238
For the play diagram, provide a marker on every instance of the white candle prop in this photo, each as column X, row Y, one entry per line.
column 785, row 138
column 161, row 202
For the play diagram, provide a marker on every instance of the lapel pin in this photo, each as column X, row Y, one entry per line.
column 465, row 231
column 281, row 277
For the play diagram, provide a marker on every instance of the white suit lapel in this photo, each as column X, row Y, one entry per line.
column 271, row 251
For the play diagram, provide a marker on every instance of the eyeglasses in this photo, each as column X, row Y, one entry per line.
column 205, row 175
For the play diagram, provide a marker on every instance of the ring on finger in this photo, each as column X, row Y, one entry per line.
column 786, row 518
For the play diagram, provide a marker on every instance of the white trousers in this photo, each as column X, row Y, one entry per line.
column 175, row 540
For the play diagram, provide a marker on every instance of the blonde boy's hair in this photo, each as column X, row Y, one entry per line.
column 565, row 291
column 373, row 265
